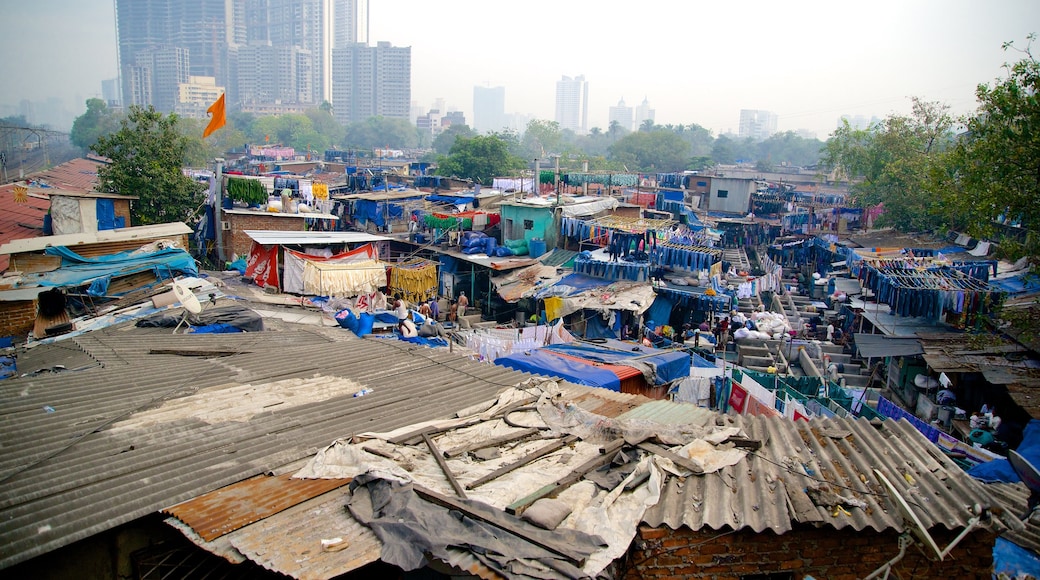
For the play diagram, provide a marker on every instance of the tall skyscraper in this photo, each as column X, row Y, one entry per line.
column 349, row 21
column 489, row 109
column 644, row 113
column 371, row 81
column 757, row 125
column 572, row 104
column 621, row 114
column 290, row 26
column 167, row 68
column 110, row 92
column 205, row 29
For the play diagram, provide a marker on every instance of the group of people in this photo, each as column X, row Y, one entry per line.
column 430, row 311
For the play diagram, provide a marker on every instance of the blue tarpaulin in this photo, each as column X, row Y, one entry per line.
column 452, row 199
column 1000, row 469
column 543, row 362
column 96, row 272
column 670, row 365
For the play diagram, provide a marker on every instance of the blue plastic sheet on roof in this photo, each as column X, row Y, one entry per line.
column 572, row 284
column 543, row 362
column 1025, row 283
column 452, row 199
column 670, row 365
column 1013, row 561
column 697, row 361
column 1000, row 469
column 77, row 270
column 595, row 327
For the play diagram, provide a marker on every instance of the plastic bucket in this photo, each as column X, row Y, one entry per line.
column 536, row 247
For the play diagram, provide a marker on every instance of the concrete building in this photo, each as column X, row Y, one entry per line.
column 572, row 104
column 296, row 29
column 489, row 109
column 371, row 81
column 622, row 114
column 275, row 75
column 755, row 124
column 141, row 25
column 110, row 92
column 167, row 67
column 196, row 95
column 644, row 112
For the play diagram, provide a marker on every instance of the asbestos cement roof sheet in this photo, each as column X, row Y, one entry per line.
column 132, row 432
column 767, row 490
column 311, row 238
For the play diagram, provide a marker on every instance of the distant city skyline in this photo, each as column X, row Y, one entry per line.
column 809, row 63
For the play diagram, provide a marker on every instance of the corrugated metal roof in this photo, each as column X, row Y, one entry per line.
column 1014, row 497
column 19, row 220
column 104, row 457
column 240, row 504
column 273, row 237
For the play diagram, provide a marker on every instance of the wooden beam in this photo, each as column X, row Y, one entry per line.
column 522, row 434
column 605, row 456
column 676, row 458
column 514, row 528
column 551, row 447
column 444, row 466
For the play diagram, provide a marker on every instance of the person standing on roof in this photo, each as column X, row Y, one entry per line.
column 463, row 303
column 435, row 309
column 401, row 311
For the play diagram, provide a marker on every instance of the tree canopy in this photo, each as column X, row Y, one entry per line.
column 98, row 120
column 147, row 154
column 657, row 150
column 996, row 164
column 480, row 158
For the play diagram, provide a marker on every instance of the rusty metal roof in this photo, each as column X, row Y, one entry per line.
column 240, row 504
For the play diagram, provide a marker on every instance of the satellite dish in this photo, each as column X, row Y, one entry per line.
column 1030, row 476
column 187, row 298
column 910, row 519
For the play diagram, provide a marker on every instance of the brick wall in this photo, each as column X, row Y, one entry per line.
column 17, row 318
column 237, row 242
column 825, row 552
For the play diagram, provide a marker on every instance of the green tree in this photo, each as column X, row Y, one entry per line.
column 724, row 150
column 541, row 139
column 378, row 132
column 442, row 144
column 996, row 163
column 895, row 162
column 658, row 150
column 147, row 154
column 480, row 158
column 98, row 120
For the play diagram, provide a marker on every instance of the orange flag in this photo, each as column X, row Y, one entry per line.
column 218, row 117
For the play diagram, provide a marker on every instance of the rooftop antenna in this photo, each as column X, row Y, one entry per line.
column 913, row 530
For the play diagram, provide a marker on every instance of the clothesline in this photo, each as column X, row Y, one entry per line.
column 631, row 224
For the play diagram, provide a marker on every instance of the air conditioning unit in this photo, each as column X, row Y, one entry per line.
column 226, row 226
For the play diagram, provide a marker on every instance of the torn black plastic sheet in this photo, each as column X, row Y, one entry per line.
column 412, row 529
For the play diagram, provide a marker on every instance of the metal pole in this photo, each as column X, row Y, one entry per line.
column 219, row 225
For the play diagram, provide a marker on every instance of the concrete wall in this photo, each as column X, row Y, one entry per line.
column 737, row 198
column 541, row 219
column 823, row 552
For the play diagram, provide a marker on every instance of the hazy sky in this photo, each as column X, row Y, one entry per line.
column 696, row 62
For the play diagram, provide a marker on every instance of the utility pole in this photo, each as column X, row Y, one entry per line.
column 218, row 206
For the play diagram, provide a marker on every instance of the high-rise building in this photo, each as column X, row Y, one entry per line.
column 621, row 114
column 275, row 75
column 489, row 109
column 205, row 29
column 371, row 81
column 756, row 125
column 110, row 92
column 644, row 113
column 349, row 22
column 167, row 67
column 290, row 27
column 572, row 104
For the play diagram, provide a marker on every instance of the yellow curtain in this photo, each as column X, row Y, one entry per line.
column 553, row 308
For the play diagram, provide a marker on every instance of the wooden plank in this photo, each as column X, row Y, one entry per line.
column 27, row 263
column 513, row 528
column 444, row 466
column 674, row 457
column 543, row 451
column 606, row 456
column 508, row 438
